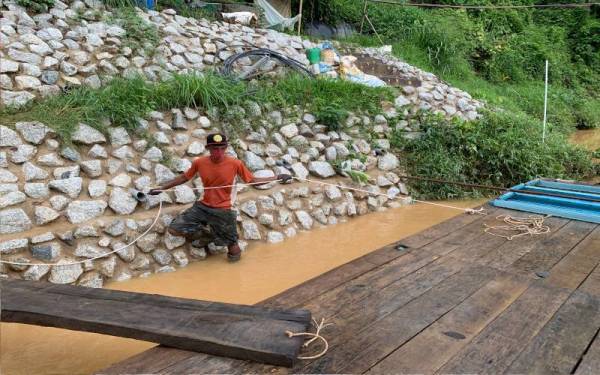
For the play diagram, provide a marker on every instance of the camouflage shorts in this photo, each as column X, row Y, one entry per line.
column 207, row 224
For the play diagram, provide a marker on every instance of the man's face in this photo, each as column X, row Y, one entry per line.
column 217, row 153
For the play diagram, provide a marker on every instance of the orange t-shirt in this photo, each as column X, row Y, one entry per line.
column 218, row 174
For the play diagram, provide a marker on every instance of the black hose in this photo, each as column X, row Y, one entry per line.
column 227, row 68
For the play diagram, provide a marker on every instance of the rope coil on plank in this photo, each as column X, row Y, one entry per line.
column 531, row 225
column 315, row 336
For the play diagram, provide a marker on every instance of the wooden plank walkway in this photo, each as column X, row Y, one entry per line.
column 237, row 331
column 450, row 299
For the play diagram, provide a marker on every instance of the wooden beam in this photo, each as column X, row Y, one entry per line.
column 244, row 332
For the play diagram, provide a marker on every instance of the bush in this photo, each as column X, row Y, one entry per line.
column 500, row 149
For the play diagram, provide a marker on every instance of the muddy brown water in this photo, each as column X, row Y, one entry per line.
column 265, row 270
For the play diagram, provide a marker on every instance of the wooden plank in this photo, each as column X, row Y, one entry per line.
column 499, row 344
column 310, row 289
column 214, row 331
column 359, row 301
column 562, row 342
column 431, row 348
column 373, row 299
column 590, row 363
column 293, row 315
column 364, row 346
column 543, row 255
column 578, row 264
column 505, row 255
column 447, row 227
column 591, row 284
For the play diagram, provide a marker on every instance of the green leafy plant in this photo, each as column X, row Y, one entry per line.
column 500, row 149
column 358, row 176
column 330, row 115
column 139, row 34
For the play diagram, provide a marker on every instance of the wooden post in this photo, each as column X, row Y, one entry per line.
column 300, row 19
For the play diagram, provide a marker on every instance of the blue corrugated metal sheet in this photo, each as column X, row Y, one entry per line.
column 570, row 207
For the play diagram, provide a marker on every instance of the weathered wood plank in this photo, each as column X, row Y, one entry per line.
column 544, row 254
column 591, row 284
column 363, row 300
column 367, row 345
column 578, row 264
column 294, row 315
column 562, row 342
column 215, row 332
column 447, row 227
column 431, row 348
column 310, row 289
column 590, row 363
column 499, row 344
column 511, row 251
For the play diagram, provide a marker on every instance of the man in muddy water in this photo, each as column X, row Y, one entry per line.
column 211, row 219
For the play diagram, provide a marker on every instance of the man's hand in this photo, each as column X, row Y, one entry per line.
column 155, row 192
column 284, row 178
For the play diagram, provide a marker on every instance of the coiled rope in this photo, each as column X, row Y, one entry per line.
column 479, row 211
column 315, row 336
column 524, row 226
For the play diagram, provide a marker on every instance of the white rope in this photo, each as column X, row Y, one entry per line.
column 531, row 225
column 479, row 211
column 467, row 210
column 96, row 257
column 132, row 242
column 315, row 336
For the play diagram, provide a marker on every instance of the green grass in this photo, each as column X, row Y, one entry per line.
column 329, row 100
column 139, row 34
column 124, row 101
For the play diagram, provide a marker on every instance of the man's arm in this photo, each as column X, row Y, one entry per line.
column 181, row 179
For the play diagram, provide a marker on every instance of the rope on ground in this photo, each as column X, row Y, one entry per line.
column 96, row 257
column 479, row 211
column 160, row 202
column 524, row 226
column 315, row 336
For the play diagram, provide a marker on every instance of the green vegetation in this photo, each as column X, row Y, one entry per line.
column 36, row 6
column 329, row 100
column 496, row 55
column 124, row 101
column 500, row 149
column 139, row 34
